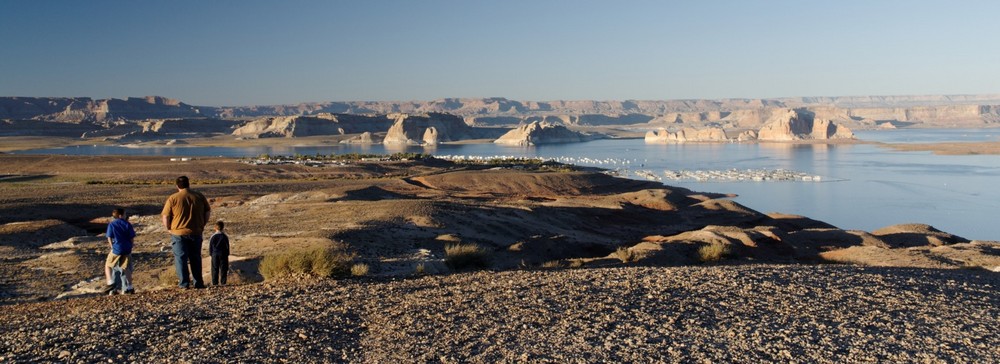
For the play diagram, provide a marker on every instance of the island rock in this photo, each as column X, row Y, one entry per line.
column 320, row 124
column 429, row 129
column 797, row 124
column 538, row 132
column 687, row 135
column 363, row 138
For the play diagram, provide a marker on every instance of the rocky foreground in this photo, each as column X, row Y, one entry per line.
column 746, row 313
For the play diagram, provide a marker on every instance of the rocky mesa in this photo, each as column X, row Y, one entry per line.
column 537, row 132
column 854, row 111
column 788, row 124
column 431, row 129
column 321, row 124
column 782, row 125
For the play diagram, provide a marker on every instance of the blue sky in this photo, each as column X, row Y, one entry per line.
column 255, row 52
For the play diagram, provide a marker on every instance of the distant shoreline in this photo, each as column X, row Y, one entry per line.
column 17, row 144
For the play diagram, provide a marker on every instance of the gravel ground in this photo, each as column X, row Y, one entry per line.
column 748, row 313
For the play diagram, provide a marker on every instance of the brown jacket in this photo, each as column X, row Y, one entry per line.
column 188, row 211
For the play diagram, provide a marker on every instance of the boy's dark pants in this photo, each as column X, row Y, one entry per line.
column 220, row 267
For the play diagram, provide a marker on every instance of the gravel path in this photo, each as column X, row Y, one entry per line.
column 724, row 313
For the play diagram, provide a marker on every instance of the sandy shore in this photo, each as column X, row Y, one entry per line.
column 949, row 148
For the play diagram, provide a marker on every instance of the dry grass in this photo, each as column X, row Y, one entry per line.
column 359, row 270
column 466, row 256
column 626, row 255
column 714, row 252
column 168, row 277
column 320, row 262
column 554, row 264
column 419, row 269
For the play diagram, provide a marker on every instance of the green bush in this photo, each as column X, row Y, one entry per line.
column 714, row 252
column 320, row 262
column 465, row 256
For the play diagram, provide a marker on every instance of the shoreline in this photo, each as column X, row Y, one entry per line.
column 11, row 144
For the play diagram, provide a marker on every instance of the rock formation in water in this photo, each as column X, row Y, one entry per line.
column 687, row 135
column 352, row 117
column 537, row 132
column 789, row 124
column 363, row 138
column 322, row 124
column 173, row 129
column 427, row 129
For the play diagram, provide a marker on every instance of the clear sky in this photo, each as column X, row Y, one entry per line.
column 256, row 52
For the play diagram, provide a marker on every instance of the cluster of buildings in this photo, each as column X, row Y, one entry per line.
column 738, row 175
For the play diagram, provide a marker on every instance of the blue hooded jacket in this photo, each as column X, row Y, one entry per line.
column 121, row 233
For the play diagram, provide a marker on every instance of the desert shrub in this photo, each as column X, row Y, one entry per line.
column 575, row 263
column 714, row 252
column 465, row 256
column 321, row 262
column 359, row 270
column 168, row 277
column 419, row 269
column 554, row 264
column 626, row 255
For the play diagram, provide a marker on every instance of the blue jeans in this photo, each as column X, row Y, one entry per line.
column 187, row 250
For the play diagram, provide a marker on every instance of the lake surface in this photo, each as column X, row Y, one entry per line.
column 865, row 187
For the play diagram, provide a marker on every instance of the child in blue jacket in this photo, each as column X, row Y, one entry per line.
column 120, row 234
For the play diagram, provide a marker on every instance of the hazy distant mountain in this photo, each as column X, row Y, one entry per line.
column 79, row 109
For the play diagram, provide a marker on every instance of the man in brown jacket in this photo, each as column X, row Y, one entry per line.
column 185, row 214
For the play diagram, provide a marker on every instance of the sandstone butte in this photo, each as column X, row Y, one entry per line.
column 536, row 132
column 783, row 125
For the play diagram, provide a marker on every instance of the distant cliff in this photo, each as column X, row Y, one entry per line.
column 865, row 112
column 855, row 111
column 85, row 109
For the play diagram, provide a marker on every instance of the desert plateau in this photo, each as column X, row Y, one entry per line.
column 576, row 266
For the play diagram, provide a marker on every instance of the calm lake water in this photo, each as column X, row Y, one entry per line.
column 865, row 187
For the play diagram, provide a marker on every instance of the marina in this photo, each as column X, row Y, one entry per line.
column 745, row 175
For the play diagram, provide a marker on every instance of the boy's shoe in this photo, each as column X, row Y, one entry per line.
column 109, row 289
column 130, row 291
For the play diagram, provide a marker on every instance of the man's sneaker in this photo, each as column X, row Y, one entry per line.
column 199, row 286
column 109, row 289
